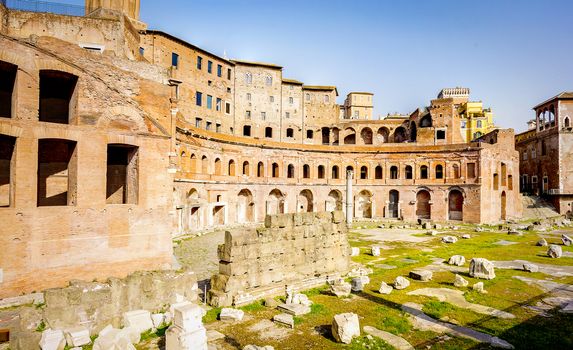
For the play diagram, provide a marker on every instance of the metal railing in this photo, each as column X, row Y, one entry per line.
column 44, row 6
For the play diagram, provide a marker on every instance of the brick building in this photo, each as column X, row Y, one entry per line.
column 114, row 137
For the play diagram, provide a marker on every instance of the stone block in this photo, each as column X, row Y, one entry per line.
column 401, row 283
column 294, row 309
column 421, row 275
column 52, row 340
column 566, row 240
column 233, row 315
column 341, row 289
column 138, row 319
column 457, row 260
column 554, row 251
column 385, row 288
column 355, row 251
column 375, row 251
column 345, row 327
column 77, row 336
column 188, row 317
column 178, row 339
column 530, row 267
column 284, row 319
column 460, row 282
column 449, row 239
column 481, row 268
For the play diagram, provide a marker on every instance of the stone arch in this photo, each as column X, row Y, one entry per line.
column 321, row 172
column 455, row 205
column 424, row 174
column 245, row 207
column 290, row 171
column 567, row 122
column 334, row 201
column 335, row 136
column 383, row 134
column 408, row 172
column 350, row 138
column 363, row 172
column 378, row 172
column 275, row 202
column 400, row 135
column 366, row 136
column 275, row 170
column 439, row 171
column 426, row 121
column 394, row 173
column 364, row 205
column 231, row 168
column 261, row 169
column 423, row 205
column 335, row 172
column 393, row 210
column 306, row 171
column 305, row 201
column 246, row 168
column 218, row 167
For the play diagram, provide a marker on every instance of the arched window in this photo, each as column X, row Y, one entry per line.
column 394, row 172
column 335, row 172
column 218, row 167
column 439, row 171
column 408, row 172
column 306, row 171
column 566, row 122
column 248, row 78
column 193, row 165
column 269, row 132
column 495, row 181
column 364, row 172
column 246, row 168
column 275, row 171
column 378, row 172
column 260, row 170
column 290, row 171
column 231, row 168
column 426, row 121
column 204, row 165
column 321, row 172
column 269, row 80
column 349, row 168
column 423, row 172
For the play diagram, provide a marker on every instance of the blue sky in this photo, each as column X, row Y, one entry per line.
column 511, row 54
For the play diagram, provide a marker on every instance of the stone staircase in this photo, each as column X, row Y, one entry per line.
column 535, row 207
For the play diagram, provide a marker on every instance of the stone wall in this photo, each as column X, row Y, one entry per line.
column 95, row 305
column 302, row 250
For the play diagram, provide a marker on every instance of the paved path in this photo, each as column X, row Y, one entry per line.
column 394, row 340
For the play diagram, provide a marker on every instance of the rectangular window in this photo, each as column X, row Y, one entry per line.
column 356, row 114
column 199, row 62
column 218, row 105
column 57, row 172
column 290, row 133
column 227, row 108
column 441, row 134
column 218, row 127
column 122, row 174
column 219, row 70
column 291, row 100
column 307, row 97
column 209, row 67
column 326, row 98
column 248, row 114
column 208, row 126
column 272, row 99
column 174, row 60
column 248, row 96
column 57, row 96
column 229, row 73
column 7, row 83
column 7, row 145
column 478, row 124
column 199, row 98
column 525, row 155
column 247, row 130
column 209, row 101
column 264, row 115
column 287, row 115
column 471, row 173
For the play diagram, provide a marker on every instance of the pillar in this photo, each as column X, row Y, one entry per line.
column 349, row 198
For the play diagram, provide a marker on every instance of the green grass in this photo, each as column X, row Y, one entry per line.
column 372, row 344
column 212, row 315
column 437, row 309
column 254, row 307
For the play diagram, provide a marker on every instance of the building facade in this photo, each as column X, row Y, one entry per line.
column 546, row 152
column 114, row 137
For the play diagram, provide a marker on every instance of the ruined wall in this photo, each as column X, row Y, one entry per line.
column 292, row 249
column 85, row 237
column 95, row 305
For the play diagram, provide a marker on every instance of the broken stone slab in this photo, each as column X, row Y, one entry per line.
column 341, row 289
column 554, row 251
column 294, row 309
column 112, row 338
column 354, row 251
column 482, row 268
column 449, row 239
column 466, row 236
column 375, row 251
column 460, row 282
column 360, row 271
column 421, row 275
column 566, row 240
column 542, row 243
column 177, row 338
column 52, row 340
column 233, row 315
column 432, row 233
column 345, row 327
column 385, row 288
column 438, row 226
column 188, row 317
column 213, row 335
column 401, row 283
column 457, row 260
column 358, row 283
column 77, row 336
column 478, row 287
column 138, row 319
column 531, row 267
column 568, row 309
column 284, row 319
column 397, row 342
column 514, row 232
column 300, row 298
column 270, row 303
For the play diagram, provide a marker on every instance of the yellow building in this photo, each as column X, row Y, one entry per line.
column 475, row 120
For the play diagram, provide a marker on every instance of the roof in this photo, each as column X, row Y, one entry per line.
column 260, row 64
column 361, row 93
column 292, row 81
column 320, row 88
column 185, row 43
column 565, row 95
